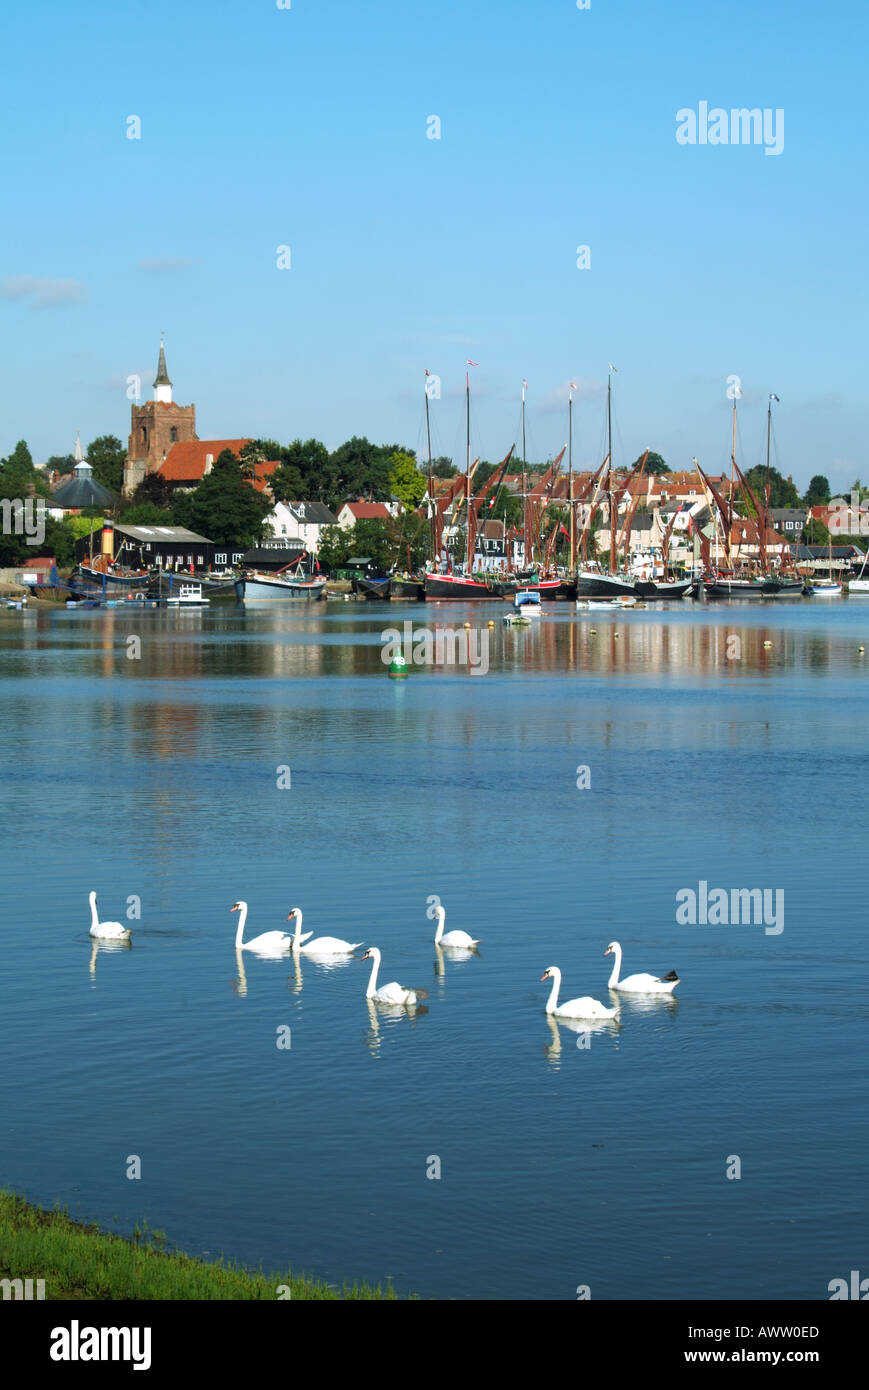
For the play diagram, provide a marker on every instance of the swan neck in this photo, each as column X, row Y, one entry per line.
column 242, row 918
column 552, row 1005
column 375, row 966
column 440, row 931
column 95, row 921
column 297, row 934
column 617, row 966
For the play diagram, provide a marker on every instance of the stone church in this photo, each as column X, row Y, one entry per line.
column 155, row 427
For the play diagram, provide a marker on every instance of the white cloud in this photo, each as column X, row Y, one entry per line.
column 42, row 292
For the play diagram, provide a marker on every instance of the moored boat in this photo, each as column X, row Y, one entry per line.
column 463, row 586
column 275, row 588
column 663, row 588
column 592, row 583
column 374, row 587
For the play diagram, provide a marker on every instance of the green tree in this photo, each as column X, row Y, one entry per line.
column 409, row 540
column 782, row 492
column 305, row 474
column 224, row 507
column 815, row 533
column 153, row 491
column 362, row 470
column 818, row 491
column 654, row 464
column 443, row 467
column 507, row 508
column 106, row 455
column 371, row 538
column 405, row 480
column 59, row 542
column 147, row 514
column 18, row 477
column 61, row 463
column 334, row 547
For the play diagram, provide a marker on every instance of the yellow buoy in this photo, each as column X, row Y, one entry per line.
column 466, row 624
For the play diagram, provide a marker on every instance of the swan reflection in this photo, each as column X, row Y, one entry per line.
column 108, row 947
column 383, row 1016
column 585, row 1030
column 453, row 954
column 658, row 1004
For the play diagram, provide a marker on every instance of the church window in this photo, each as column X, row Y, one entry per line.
column 173, row 435
column 145, row 435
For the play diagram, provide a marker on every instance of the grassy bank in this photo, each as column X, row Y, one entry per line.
column 83, row 1262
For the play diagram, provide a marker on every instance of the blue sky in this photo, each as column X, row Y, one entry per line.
column 307, row 127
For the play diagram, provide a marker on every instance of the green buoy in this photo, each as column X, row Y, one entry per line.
column 398, row 667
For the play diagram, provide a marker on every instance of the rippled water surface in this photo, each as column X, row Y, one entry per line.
column 565, row 1159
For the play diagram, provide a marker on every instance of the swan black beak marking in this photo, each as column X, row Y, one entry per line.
column 544, row 977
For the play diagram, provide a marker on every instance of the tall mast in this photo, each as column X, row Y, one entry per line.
column 732, row 474
column 524, row 481
column 609, row 449
column 469, row 556
column 431, row 497
column 572, row 566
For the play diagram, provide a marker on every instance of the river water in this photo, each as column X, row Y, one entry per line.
column 554, row 802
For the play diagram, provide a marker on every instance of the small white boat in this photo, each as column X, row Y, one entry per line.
column 826, row 587
column 187, row 595
column 527, row 602
column 626, row 601
column 518, row 619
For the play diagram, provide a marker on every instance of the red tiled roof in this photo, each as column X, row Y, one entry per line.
column 262, row 473
column 367, row 511
column 185, row 461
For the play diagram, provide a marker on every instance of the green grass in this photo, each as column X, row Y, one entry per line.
column 82, row 1262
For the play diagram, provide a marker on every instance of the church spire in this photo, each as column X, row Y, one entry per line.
column 162, row 384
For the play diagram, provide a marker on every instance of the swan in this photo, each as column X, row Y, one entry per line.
column 391, row 993
column 273, row 941
column 574, row 1008
column 321, row 945
column 639, row 984
column 452, row 938
column 106, row 931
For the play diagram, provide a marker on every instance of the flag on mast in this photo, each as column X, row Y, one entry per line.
column 773, row 396
column 470, row 363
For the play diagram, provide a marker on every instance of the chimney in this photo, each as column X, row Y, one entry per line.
column 209, row 463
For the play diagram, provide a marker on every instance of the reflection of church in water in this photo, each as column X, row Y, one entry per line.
column 155, row 427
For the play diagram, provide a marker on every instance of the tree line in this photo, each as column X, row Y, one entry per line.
column 228, row 510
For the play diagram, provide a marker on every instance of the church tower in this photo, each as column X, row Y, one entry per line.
column 155, row 427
